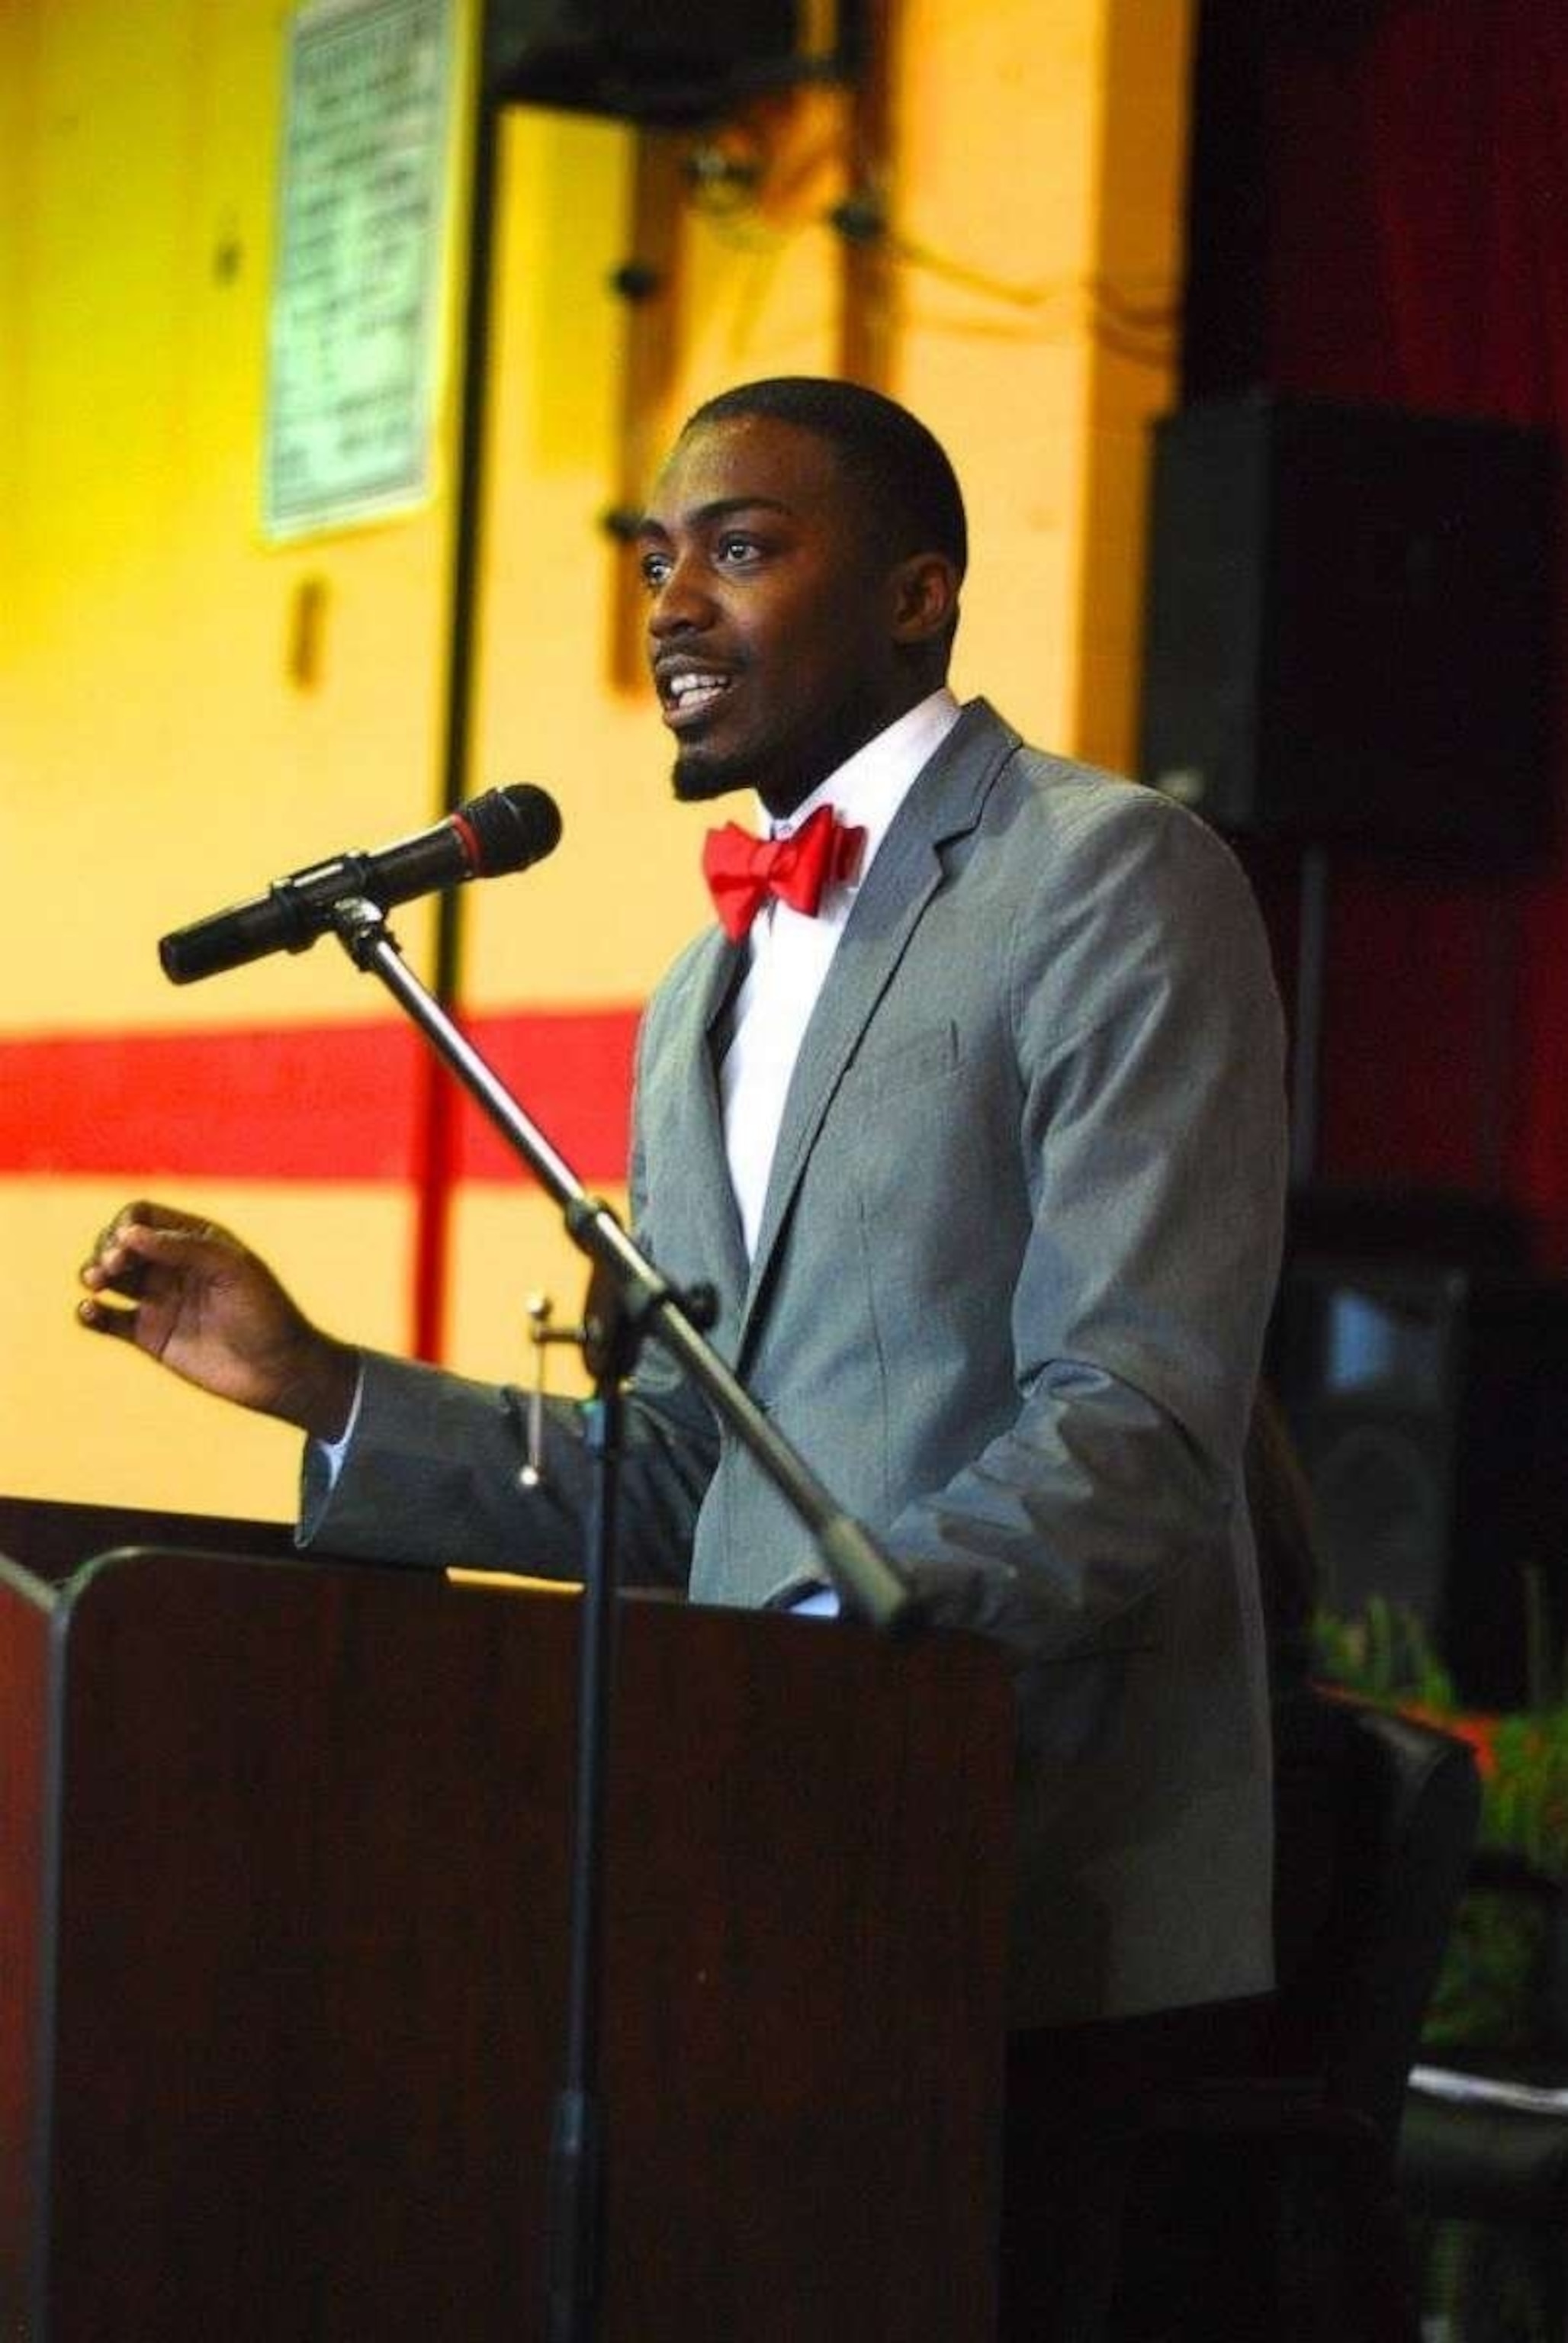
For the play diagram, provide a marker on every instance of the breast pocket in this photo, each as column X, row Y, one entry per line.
column 926, row 1057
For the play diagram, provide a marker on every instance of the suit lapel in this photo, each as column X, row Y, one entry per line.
column 944, row 803
column 708, row 1200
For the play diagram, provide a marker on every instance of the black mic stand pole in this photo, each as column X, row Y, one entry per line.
column 627, row 1300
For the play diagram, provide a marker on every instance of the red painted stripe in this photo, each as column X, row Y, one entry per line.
column 307, row 1103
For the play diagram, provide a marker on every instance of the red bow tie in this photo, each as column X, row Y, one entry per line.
column 742, row 872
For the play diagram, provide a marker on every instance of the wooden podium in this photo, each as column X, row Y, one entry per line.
column 283, row 1894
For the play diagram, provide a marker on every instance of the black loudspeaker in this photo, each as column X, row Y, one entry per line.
column 1348, row 630
column 1429, row 1407
column 659, row 61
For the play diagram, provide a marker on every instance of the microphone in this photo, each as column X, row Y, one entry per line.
column 505, row 829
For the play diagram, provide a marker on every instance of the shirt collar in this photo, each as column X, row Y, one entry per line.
column 868, row 788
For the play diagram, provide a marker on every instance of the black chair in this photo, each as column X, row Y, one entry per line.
column 1265, row 2204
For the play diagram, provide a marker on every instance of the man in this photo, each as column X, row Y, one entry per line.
column 984, row 1161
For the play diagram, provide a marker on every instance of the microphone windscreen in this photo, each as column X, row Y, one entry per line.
column 512, row 827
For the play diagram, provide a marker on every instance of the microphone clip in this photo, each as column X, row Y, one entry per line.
column 542, row 1334
column 326, row 897
column 359, row 924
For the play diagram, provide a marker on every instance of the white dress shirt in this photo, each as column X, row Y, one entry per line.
column 791, row 951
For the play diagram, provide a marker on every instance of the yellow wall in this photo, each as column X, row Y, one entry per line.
column 155, row 758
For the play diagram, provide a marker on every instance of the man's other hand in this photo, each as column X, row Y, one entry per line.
column 191, row 1295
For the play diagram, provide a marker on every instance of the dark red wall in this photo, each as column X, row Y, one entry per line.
column 1381, row 212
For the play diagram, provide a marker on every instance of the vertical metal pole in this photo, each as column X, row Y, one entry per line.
column 436, row 1132
column 575, row 2284
column 469, row 487
column 868, row 287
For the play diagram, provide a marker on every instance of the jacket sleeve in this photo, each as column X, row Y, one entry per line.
column 1148, row 1050
column 431, row 1475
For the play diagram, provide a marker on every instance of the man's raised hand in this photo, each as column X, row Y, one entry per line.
column 192, row 1296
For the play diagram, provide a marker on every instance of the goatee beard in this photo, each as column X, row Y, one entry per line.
column 693, row 782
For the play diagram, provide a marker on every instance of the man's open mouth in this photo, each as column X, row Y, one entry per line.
column 691, row 690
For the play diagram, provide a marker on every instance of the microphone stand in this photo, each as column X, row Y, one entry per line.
column 627, row 1301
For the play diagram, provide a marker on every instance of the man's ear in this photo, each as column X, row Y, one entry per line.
column 924, row 589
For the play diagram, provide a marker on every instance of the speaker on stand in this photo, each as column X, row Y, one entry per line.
column 1348, row 626
column 1428, row 1402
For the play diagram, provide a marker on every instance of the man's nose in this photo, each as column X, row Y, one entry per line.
column 680, row 601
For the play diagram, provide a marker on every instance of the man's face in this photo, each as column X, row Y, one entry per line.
column 771, row 612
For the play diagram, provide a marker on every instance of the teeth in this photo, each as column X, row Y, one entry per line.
column 687, row 690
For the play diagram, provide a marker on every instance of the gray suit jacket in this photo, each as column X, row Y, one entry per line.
column 1008, row 1298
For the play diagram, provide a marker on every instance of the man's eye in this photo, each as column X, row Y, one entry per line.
column 655, row 568
column 733, row 548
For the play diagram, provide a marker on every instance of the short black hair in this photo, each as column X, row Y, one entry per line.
column 905, row 470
